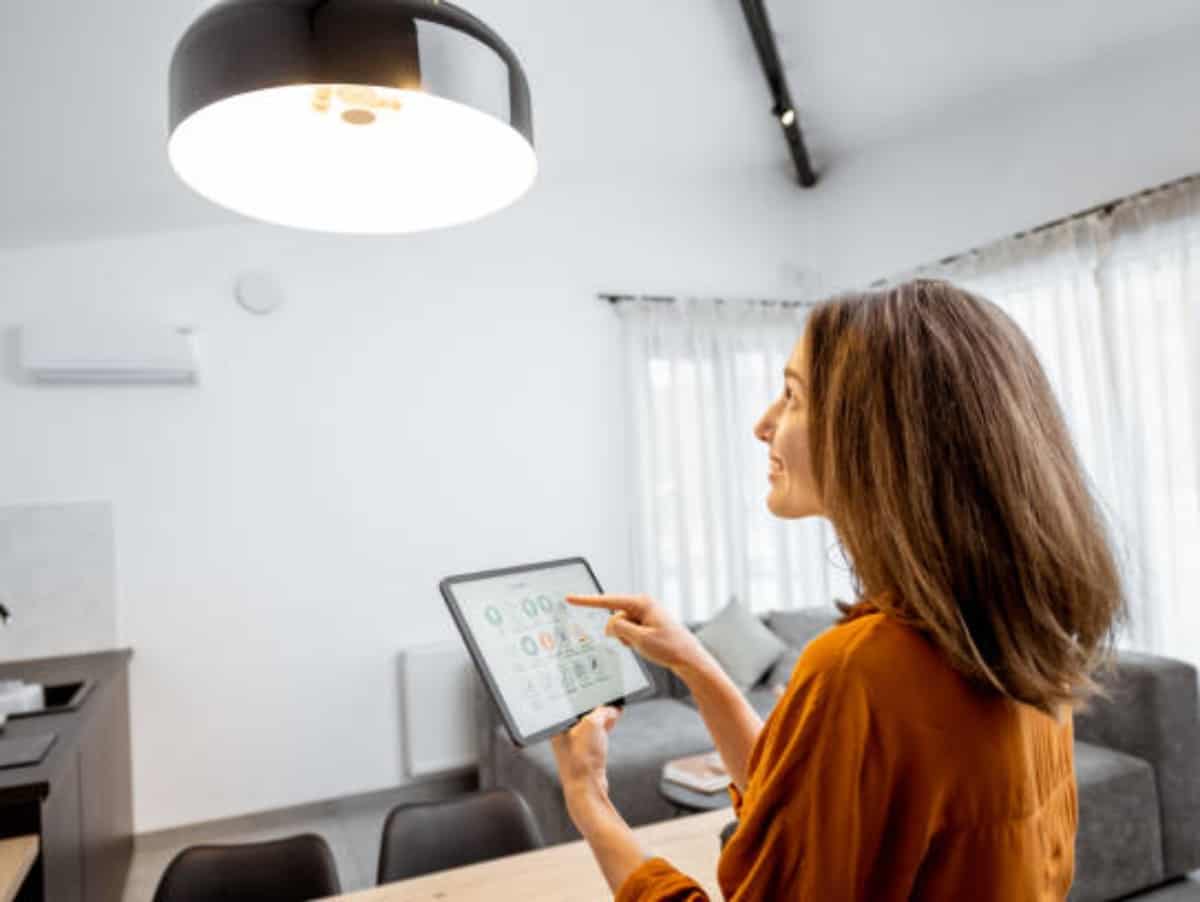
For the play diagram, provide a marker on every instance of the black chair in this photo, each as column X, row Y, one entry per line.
column 294, row 869
column 433, row 836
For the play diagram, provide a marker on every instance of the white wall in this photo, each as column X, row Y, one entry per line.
column 452, row 401
column 423, row 406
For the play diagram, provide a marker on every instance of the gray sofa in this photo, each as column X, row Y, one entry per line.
column 1137, row 762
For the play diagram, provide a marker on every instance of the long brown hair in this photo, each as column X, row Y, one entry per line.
column 943, row 462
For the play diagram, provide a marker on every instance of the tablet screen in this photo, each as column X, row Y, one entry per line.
column 549, row 659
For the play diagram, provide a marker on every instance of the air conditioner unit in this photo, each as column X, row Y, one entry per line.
column 108, row 353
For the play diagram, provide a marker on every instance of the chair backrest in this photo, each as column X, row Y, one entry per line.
column 293, row 869
column 432, row 836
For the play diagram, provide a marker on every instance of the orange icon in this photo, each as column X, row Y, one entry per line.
column 547, row 641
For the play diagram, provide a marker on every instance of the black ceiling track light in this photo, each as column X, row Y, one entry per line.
column 783, row 110
column 360, row 116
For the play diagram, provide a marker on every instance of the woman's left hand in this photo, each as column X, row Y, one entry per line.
column 582, row 752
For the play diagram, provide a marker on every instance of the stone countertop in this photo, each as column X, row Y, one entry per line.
column 19, row 784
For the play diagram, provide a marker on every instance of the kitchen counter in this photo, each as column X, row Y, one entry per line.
column 33, row 783
column 78, row 800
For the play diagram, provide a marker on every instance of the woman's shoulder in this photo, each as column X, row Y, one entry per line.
column 872, row 648
column 895, row 671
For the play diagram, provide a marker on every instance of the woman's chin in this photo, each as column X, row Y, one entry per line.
column 786, row 508
column 777, row 504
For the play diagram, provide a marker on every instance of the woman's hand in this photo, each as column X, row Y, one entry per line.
column 642, row 624
column 582, row 753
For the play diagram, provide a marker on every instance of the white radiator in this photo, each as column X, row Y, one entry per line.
column 438, row 695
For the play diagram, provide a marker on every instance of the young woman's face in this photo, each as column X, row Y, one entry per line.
column 784, row 429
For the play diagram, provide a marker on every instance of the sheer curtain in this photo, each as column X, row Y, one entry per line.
column 700, row 374
column 1111, row 304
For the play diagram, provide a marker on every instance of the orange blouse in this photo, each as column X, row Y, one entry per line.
column 884, row 774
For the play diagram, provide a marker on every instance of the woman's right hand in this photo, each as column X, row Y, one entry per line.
column 641, row 623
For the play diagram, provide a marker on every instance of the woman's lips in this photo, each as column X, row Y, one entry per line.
column 775, row 468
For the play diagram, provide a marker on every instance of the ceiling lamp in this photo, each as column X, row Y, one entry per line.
column 362, row 116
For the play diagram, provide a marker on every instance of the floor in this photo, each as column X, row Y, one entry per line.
column 352, row 828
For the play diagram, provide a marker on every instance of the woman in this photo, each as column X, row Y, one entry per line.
column 923, row 747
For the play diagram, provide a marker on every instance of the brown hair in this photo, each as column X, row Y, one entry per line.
column 944, row 464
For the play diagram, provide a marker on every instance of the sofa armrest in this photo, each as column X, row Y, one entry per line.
column 487, row 718
column 1153, row 713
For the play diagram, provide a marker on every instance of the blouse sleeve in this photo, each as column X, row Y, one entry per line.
column 735, row 796
column 657, row 880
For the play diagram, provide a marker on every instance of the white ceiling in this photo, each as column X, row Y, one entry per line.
column 665, row 89
column 868, row 70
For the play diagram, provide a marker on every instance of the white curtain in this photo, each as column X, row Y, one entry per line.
column 700, row 374
column 1112, row 304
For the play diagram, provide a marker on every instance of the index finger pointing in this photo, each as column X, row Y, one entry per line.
column 631, row 604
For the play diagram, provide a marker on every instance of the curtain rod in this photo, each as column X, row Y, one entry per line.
column 615, row 298
column 1105, row 209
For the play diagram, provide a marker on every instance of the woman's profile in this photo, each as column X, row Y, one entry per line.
column 923, row 746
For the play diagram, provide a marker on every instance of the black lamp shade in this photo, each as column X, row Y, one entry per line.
column 363, row 116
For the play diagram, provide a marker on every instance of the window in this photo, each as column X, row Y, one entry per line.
column 1110, row 302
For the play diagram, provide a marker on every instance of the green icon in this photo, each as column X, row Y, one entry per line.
column 529, row 606
column 528, row 645
column 545, row 603
column 492, row 613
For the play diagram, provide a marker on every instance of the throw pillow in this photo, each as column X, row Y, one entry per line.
column 798, row 627
column 743, row 647
column 781, row 673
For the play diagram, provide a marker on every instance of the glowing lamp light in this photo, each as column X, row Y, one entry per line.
column 356, row 116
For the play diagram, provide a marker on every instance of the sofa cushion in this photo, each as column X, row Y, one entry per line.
column 742, row 645
column 1150, row 712
column 780, row 673
column 1118, row 847
column 646, row 735
column 799, row 627
column 660, row 677
column 762, row 700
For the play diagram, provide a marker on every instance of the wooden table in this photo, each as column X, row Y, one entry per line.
column 16, row 858
column 566, row 872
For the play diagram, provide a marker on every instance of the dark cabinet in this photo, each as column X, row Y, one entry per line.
column 62, row 840
column 79, row 799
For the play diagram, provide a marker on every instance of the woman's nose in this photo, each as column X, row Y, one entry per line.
column 761, row 429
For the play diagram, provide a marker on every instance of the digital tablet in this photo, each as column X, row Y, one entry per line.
column 546, row 662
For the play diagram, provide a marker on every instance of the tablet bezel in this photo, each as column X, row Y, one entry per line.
column 446, row 587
